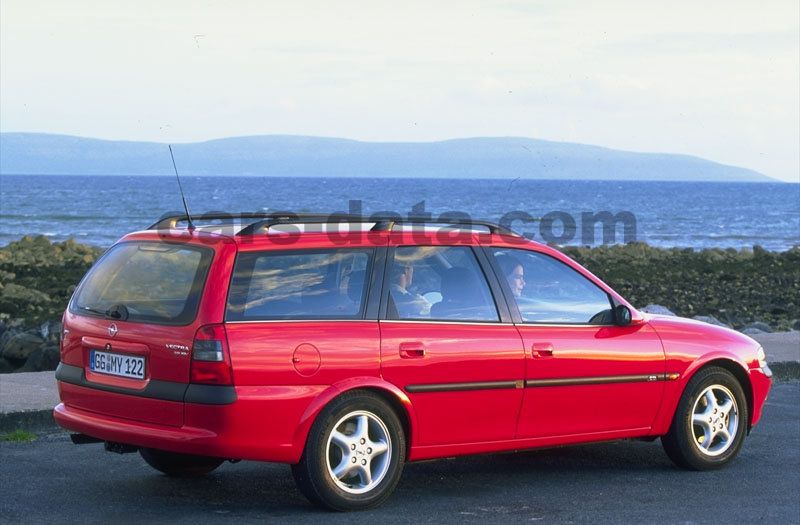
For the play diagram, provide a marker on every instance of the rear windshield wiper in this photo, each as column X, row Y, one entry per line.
column 118, row 312
column 104, row 313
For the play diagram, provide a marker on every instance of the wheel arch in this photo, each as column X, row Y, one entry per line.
column 390, row 393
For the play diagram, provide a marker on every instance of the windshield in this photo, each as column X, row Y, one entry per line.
column 150, row 282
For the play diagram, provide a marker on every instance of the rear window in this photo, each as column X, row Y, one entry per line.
column 148, row 282
column 329, row 284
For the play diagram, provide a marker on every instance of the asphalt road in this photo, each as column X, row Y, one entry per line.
column 52, row 480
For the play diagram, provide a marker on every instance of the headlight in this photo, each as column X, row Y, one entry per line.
column 762, row 357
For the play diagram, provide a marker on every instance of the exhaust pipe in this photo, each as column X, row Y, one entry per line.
column 120, row 448
column 110, row 446
column 83, row 439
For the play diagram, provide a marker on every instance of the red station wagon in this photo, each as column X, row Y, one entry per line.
column 347, row 353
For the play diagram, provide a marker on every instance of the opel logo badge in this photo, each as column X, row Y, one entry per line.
column 112, row 330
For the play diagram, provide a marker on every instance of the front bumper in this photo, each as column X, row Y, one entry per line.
column 761, row 382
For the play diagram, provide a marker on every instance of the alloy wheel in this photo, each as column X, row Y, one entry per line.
column 359, row 450
column 715, row 420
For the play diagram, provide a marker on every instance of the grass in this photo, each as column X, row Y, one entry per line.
column 19, row 436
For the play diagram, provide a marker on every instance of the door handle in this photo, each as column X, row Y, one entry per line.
column 412, row 350
column 542, row 350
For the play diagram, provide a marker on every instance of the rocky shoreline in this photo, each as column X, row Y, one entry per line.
column 37, row 278
column 753, row 291
column 737, row 287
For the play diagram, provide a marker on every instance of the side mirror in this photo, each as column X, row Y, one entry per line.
column 622, row 315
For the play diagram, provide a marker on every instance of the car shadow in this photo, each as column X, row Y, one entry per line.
column 254, row 489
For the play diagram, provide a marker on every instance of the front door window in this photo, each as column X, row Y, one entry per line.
column 548, row 291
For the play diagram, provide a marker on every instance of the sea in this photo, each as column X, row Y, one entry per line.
column 99, row 210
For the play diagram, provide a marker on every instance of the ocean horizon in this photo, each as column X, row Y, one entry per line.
column 98, row 209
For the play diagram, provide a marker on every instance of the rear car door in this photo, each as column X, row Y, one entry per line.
column 445, row 342
column 298, row 321
column 583, row 373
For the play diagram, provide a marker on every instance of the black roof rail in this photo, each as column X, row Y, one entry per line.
column 262, row 221
column 382, row 222
column 388, row 223
column 276, row 219
column 171, row 221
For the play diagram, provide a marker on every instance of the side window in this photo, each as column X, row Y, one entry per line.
column 438, row 283
column 548, row 291
column 329, row 284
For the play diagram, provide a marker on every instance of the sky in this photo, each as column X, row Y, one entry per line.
column 716, row 79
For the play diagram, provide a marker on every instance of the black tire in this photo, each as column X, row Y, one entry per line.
column 683, row 443
column 179, row 465
column 312, row 474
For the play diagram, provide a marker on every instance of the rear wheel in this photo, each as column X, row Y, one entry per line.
column 179, row 465
column 710, row 423
column 354, row 454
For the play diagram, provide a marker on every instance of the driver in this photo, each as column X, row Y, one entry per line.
column 514, row 273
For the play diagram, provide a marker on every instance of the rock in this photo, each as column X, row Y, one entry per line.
column 796, row 324
column 6, row 366
column 710, row 319
column 751, row 331
column 19, row 301
column 6, row 336
column 20, row 346
column 41, row 359
column 50, row 331
column 762, row 327
column 657, row 309
column 37, row 277
column 17, row 323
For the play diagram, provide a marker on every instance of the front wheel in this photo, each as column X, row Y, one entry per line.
column 179, row 465
column 710, row 422
column 354, row 454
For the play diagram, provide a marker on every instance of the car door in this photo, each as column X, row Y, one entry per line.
column 448, row 345
column 298, row 321
column 583, row 373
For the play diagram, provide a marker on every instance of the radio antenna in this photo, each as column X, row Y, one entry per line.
column 183, row 198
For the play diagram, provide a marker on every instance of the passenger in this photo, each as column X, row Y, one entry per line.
column 514, row 273
column 459, row 301
column 408, row 304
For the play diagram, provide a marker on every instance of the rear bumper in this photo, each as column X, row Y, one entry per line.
column 260, row 425
column 176, row 439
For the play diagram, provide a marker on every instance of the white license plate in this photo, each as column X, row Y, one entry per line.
column 116, row 364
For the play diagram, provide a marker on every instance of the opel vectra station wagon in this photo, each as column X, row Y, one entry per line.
column 347, row 354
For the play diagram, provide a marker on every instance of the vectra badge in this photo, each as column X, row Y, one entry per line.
column 179, row 350
column 112, row 330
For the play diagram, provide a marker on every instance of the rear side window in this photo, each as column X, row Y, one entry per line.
column 324, row 284
column 148, row 282
column 438, row 283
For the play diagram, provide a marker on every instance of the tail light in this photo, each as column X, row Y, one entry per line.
column 211, row 362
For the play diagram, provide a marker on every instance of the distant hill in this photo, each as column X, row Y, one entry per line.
column 282, row 155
